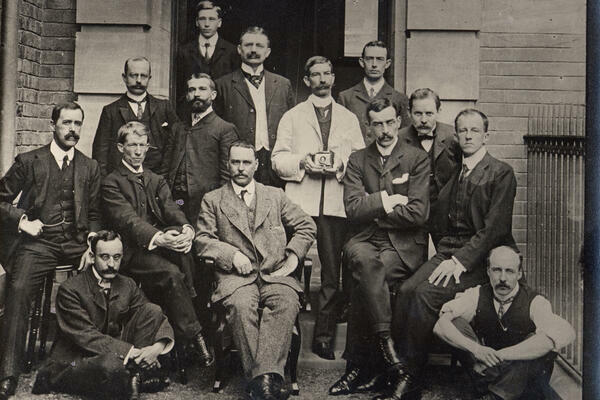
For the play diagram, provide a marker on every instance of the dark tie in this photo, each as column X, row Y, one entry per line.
column 243, row 194
column 463, row 173
column 425, row 137
column 322, row 112
column 140, row 109
column 106, row 293
column 372, row 93
column 255, row 80
column 384, row 159
column 503, row 303
column 65, row 163
column 206, row 56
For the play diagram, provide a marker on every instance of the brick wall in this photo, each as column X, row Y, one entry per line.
column 532, row 60
column 46, row 52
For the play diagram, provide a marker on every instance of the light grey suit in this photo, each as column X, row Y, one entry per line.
column 223, row 229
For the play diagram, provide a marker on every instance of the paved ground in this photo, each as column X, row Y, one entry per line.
column 443, row 384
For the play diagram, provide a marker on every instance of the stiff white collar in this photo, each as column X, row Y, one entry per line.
column 59, row 154
column 248, row 69
column 474, row 158
column 211, row 40
column 320, row 101
column 129, row 167
column 386, row 151
column 198, row 116
column 132, row 98
column 251, row 187
column 376, row 87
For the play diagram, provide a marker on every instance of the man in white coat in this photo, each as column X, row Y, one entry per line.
column 314, row 141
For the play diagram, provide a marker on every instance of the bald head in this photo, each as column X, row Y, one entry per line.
column 506, row 256
column 504, row 270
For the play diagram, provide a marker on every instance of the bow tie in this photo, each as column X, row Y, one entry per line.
column 425, row 137
column 129, row 99
column 255, row 80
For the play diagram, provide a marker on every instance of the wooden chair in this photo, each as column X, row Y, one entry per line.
column 39, row 320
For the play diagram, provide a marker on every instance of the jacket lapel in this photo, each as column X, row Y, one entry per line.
column 40, row 171
column 124, row 108
column 151, row 104
column 237, row 80
column 263, row 205
column 97, row 295
column 80, row 173
column 438, row 145
column 311, row 117
column 374, row 159
column 395, row 157
column 477, row 174
column 219, row 50
column 361, row 92
column 270, row 87
column 230, row 206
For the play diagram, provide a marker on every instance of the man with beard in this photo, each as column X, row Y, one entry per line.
column 107, row 330
column 314, row 141
column 507, row 333
column 195, row 159
column 58, row 206
column 208, row 53
column 254, row 100
column 135, row 105
column 374, row 61
column 156, row 234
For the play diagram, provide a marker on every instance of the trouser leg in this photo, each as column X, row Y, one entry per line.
column 330, row 240
column 164, row 284
column 146, row 326
column 34, row 260
column 242, row 316
column 280, row 309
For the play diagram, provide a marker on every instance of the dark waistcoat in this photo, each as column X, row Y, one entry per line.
column 515, row 325
column 458, row 210
column 59, row 204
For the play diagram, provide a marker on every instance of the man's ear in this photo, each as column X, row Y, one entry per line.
column 306, row 81
column 361, row 62
column 388, row 62
column 239, row 49
column 120, row 147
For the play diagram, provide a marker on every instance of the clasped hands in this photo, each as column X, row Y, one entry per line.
column 176, row 241
column 312, row 168
column 146, row 357
column 486, row 357
column 243, row 266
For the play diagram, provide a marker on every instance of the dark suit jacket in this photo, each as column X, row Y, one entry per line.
column 407, row 173
column 29, row 177
column 446, row 153
column 224, row 59
column 81, row 317
column 356, row 99
column 490, row 194
column 223, row 229
column 206, row 147
column 120, row 194
column 234, row 103
column 118, row 113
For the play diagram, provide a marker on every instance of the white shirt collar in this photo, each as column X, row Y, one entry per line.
column 129, row 167
column 198, row 117
column 103, row 283
column 376, row 87
column 248, row 69
column 132, row 98
column 251, row 187
column 508, row 296
column 475, row 158
column 386, row 151
column 320, row 101
column 211, row 40
column 59, row 153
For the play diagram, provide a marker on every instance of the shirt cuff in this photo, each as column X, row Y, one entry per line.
column 126, row 359
column 459, row 264
column 24, row 216
column 191, row 227
column 387, row 204
column 168, row 347
column 151, row 245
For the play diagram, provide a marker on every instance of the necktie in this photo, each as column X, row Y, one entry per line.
column 195, row 119
column 243, row 194
column 503, row 303
column 425, row 137
column 255, row 80
column 384, row 159
column 463, row 173
column 65, row 162
column 140, row 109
column 372, row 93
column 206, row 56
column 322, row 112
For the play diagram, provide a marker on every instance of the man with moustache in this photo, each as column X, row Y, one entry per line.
column 507, row 333
column 107, row 330
column 195, row 159
column 314, row 141
column 135, row 105
column 375, row 60
column 436, row 138
column 254, row 100
column 156, row 234
column 473, row 215
column 242, row 228
column 386, row 192
column 209, row 53
column 58, row 206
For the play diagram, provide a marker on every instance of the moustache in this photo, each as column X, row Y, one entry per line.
column 253, row 55
column 240, row 175
column 71, row 135
column 501, row 286
column 323, row 87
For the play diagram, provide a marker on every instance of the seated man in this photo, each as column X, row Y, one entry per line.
column 157, row 235
column 242, row 228
column 107, row 330
column 507, row 331
column 386, row 190
column 473, row 215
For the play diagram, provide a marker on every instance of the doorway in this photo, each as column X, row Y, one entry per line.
column 297, row 30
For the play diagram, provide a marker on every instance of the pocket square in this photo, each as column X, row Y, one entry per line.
column 401, row 179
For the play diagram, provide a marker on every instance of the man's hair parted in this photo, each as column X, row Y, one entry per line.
column 103, row 235
column 69, row 105
column 473, row 111
column 132, row 127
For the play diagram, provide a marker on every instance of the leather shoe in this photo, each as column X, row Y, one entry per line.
column 134, row 386
column 263, row 387
column 376, row 383
column 323, row 350
column 403, row 386
column 386, row 347
column 206, row 357
column 8, row 387
column 279, row 387
column 347, row 384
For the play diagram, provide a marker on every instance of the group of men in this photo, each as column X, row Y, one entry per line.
column 162, row 194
